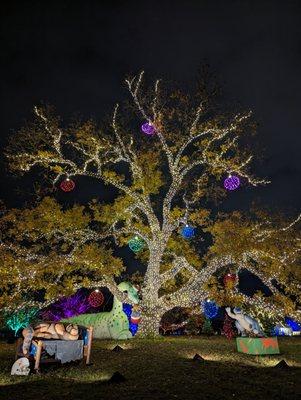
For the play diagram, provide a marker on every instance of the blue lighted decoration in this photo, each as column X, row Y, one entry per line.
column 133, row 328
column 232, row 182
column 294, row 325
column 127, row 309
column 136, row 244
column 210, row 308
column 281, row 331
column 187, row 232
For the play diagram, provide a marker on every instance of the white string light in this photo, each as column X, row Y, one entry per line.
column 211, row 154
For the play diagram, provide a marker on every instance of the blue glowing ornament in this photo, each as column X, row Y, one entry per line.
column 282, row 331
column 187, row 232
column 232, row 182
column 127, row 309
column 148, row 128
column 294, row 325
column 210, row 308
column 136, row 244
column 133, row 328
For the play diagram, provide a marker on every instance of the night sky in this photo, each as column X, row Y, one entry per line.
column 75, row 55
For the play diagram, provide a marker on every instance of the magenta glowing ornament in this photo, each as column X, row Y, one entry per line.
column 96, row 298
column 148, row 128
column 232, row 182
column 67, row 185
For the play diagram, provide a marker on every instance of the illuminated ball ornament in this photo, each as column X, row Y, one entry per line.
column 294, row 325
column 230, row 280
column 188, row 232
column 96, row 298
column 148, row 128
column 136, row 244
column 135, row 317
column 232, row 182
column 67, row 185
column 210, row 308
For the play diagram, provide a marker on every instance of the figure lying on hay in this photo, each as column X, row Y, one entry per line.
column 53, row 342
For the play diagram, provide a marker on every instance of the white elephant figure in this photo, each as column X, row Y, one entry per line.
column 244, row 323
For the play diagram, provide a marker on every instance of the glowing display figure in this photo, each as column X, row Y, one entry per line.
column 244, row 323
column 113, row 324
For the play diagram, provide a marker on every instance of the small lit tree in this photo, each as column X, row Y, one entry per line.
column 227, row 329
column 207, row 327
column 168, row 177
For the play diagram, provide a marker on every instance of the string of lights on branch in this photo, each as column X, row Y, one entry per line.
column 104, row 153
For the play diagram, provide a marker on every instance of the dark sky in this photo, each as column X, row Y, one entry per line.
column 75, row 55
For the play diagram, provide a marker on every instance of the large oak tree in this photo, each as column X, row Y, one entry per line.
column 165, row 181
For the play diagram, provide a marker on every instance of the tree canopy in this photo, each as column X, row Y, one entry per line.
column 165, row 181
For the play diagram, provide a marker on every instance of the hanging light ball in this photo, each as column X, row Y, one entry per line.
column 188, row 232
column 232, row 182
column 67, row 185
column 229, row 280
column 148, row 128
column 96, row 298
column 210, row 308
column 136, row 244
column 135, row 317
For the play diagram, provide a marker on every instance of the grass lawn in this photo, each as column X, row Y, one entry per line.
column 162, row 369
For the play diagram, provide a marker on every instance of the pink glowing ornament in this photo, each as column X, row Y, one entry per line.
column 67, row 185
column 148, row 128
column 232, row 182
column 96, row 298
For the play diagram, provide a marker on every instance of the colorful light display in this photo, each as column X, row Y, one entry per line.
column 66, row 307
column 133, row 326
column 232, row 182
column 136, row 244
column 20, row 319
column 123, row 151
column 210, row 308
column 135, row 317
column 148, row 128
column 294, row 325
column 228, row 330
column 67, row 185
column 188, row 232
column 96, row 298
column 229, row 280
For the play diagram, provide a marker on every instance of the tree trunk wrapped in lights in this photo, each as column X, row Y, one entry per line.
column 173, row 169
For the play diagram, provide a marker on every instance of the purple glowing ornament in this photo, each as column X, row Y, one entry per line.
column 232, row 182
column 148, row 128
